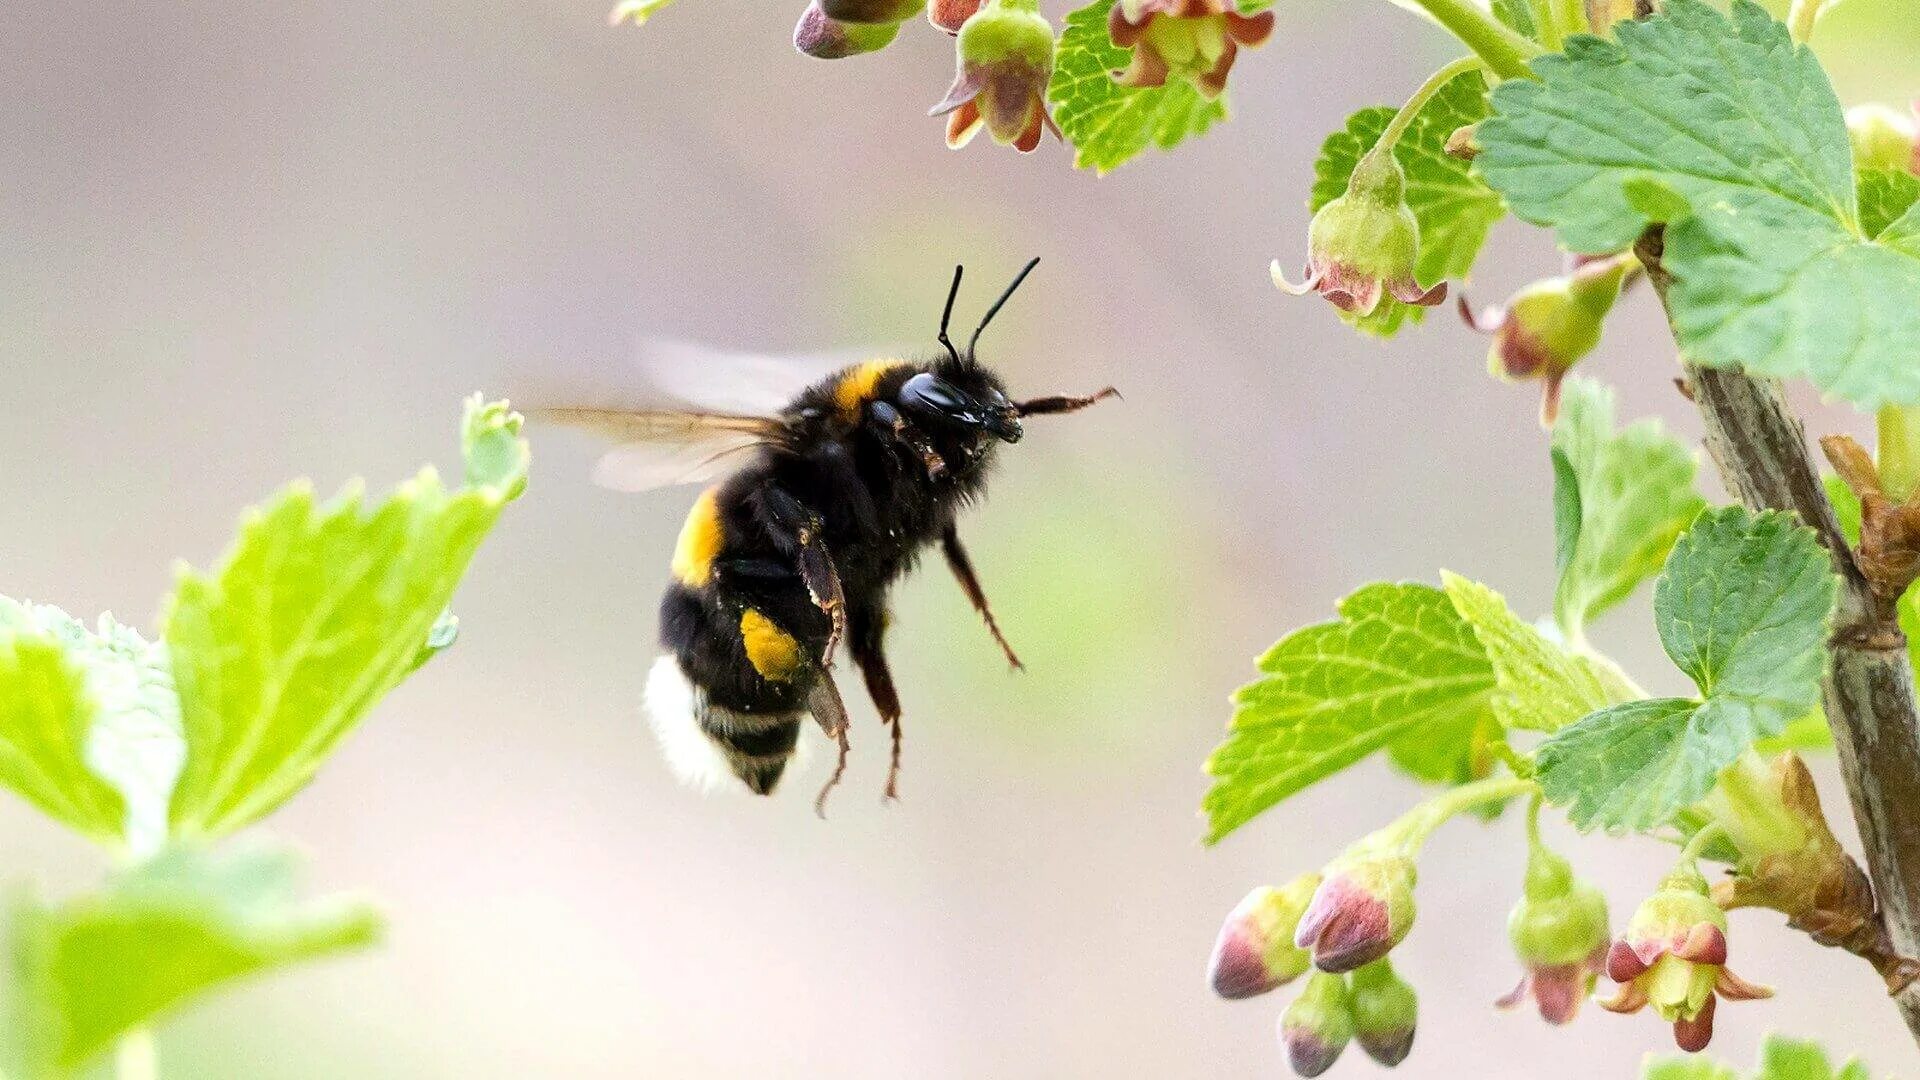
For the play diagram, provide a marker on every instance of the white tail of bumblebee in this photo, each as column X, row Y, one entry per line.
column 673, row 705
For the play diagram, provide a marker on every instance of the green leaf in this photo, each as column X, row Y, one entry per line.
column 1107, row 123
column 1454, row 209
column 1399, row 660
column 1743, row 607
column 1773, row 269
column 1518, row 17
column 1686, row 1068
column 1538, row 686
column 1781, row 1058
column 317, row 612
column 1620, row 500
column 1810, row 732
column 45, row 718
column 1885, row 195
column 93, row 969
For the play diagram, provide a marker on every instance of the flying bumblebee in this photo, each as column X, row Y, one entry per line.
column 814, row 512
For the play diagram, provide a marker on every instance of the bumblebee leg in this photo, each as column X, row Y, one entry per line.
column 864, row 642
column 797, row 528
column 1047, row 405
column 824, row 702
column 916, row 440
column 970, row 584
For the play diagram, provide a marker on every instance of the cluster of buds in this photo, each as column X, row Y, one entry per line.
column 836, row 29
column 1194, row 41
column 1559, row 932
column 1373, row 1007
column 1673, row 957
column 1551, row 325
column 1885, row 138
column 1365, row 245
column 1005, row 59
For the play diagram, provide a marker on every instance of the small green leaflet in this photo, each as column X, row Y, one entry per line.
column 1743, row 608
column 1455, row 210
column 317, row 612
column 1108, row 124
column 92, row 969
column 1538, row 686
column 1399, row 660
column 45, row 720
column 1781, row 1058
column 1620, row 500
column 1723, row 129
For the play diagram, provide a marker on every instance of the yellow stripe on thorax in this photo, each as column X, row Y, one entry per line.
column 773, row 652
column 699, row 541
column 856, row 387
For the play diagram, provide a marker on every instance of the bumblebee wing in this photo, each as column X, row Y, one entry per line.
column 660, row 448
column 737, row 383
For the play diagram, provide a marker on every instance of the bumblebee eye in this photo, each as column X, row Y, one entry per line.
column 925, row 391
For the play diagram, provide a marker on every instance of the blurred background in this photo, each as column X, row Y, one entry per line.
column 241, row 242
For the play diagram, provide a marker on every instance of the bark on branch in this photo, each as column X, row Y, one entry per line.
column 1762, row 454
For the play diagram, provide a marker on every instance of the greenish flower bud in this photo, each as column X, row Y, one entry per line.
column 871, row 12
column 1673, row 957
column 1191, row 40
column 1551, row 325
column 1362, row 909
column 1884, row 138
column 1318, row 1025
column 1385, row 1010
column 1005, row 58
column 1364, row 245
column 1559, row 932
column 823, row 37
column 1255, row 951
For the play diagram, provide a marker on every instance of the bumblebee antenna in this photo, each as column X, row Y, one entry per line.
column 947, row 315
column 998, row 304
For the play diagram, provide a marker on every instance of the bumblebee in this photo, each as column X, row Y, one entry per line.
column 813, row 512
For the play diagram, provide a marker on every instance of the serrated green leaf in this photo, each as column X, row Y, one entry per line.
column 1685, row 1068
column 1743, row 607
column 1108, row 124
column 1773, row 270
column 317, row 612
column 1885, row 196
column 1538, row 686
column 92, row 969
column 1399, row 660
column 1781, row 1058
column 1454, row 209
column 1620, row 500
column 45, row 720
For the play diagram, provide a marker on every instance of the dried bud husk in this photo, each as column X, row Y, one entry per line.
column 1385, row 1013
column 1889, row 551
column 825, row 38
column 1318, row 1025
column 1255, row 951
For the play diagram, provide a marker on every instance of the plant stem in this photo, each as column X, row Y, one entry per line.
column 1420, row 822
column 136, row 1058
column 1397, row 127
column 1505, row 52
column 1898, row 453
column 1762, row 453
column 1700, row 841
column 1545, row 20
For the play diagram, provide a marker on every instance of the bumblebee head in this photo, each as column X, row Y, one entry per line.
column 960, row 395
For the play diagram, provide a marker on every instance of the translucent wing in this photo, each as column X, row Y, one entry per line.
column 659, row 448
column 741, row 384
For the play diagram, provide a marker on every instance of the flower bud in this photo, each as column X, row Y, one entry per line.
column 1318, row 1025
column 1255, row 951
column 1559, row 932
column 1005, row 57
column 1193, row 40
column 871, row 12
column 1673, row 957
column 951, row 15
column 1549, row 326
column 1464, row 143
column 1364, row 245
column 1385, row 1010
column 825, row 38
column 1885, row 138
column 1362, row 909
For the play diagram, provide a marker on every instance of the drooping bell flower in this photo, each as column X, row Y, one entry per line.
column 1363, row 246
column 951, row 15
column 1559, row 932
column 1005, row 57
column 1362, row 909
column 1194, row 40
column 1549, row 326
column 1255, row 951
column 1884, row 137
column 1385, row 1011
column 1318, row 1025
column 824, row 37
column 1674, row 958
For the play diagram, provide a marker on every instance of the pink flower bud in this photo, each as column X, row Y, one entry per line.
column 1385, row 1011
column 1005, row 57
column 1673, row 957
column 825, row 38
column 1318, row 1025
column 1194, row 40
column 1362, row 909
column 1255, row 951
column 1364, row 245
column 951, row 15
